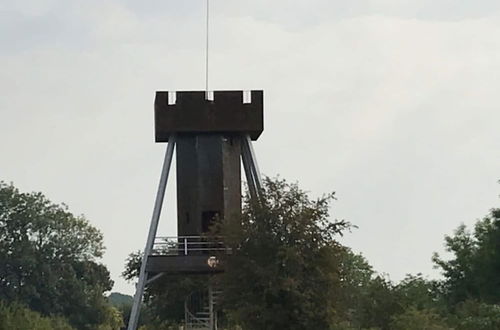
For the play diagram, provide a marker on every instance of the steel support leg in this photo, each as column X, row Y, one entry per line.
column 251, row 167
column 139, row 291
column 245, row 157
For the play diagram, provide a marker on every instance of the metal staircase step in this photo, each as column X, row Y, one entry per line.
column 197, row 327
column 201, row 317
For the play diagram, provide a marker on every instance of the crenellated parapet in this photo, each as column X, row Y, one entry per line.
column 196, row 112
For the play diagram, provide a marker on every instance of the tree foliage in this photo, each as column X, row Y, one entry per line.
column 287, row 271
column 475, row 315
column 14, row 316
column 49, row 259
column 473, row 272
column 284, row 270
column 419, row 319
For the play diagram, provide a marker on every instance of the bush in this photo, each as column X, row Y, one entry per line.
column 17, row 317
column 474, row 315
column 414, row 319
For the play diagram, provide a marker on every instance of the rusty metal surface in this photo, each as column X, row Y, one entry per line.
column 192, row 113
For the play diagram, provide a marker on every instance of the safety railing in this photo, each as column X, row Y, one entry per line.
column 188, row 245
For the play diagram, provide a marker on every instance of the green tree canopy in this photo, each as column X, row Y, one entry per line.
column 287, row 271
column 473, row 272
column 475, row 315
column 49, row 259
column 284, row 270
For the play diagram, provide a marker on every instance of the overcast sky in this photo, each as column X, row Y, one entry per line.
column 393, row 104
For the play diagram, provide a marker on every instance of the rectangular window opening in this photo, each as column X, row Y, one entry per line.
column 207, row 219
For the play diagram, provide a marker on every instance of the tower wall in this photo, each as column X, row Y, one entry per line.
column 208, row 181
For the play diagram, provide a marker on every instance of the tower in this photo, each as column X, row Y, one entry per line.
column 211, row 133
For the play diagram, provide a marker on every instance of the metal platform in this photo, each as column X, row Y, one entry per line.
column 186, row 255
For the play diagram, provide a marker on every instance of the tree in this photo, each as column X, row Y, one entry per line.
column 370, row 300
column 113, row 319
column 474, row 270
column 354, row 298
column 49, row 259
column 377, row 304
column 283, row 272
column 416, row 292
column 356, row 273
column 284, row 269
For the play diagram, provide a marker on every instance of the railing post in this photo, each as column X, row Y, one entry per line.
column 186, row 320
column 211, row 306
column 185, row 246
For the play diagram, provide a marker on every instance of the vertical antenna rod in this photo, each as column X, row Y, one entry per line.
column 207, row 44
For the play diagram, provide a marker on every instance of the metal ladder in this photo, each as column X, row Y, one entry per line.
column 201, row 311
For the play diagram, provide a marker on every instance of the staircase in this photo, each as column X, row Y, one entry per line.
column 200, row 310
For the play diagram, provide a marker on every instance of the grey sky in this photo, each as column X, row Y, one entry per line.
column 392, row 104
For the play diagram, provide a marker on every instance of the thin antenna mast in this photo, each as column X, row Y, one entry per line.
column 207, row 47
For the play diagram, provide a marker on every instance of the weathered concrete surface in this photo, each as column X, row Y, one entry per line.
column 208, row 181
